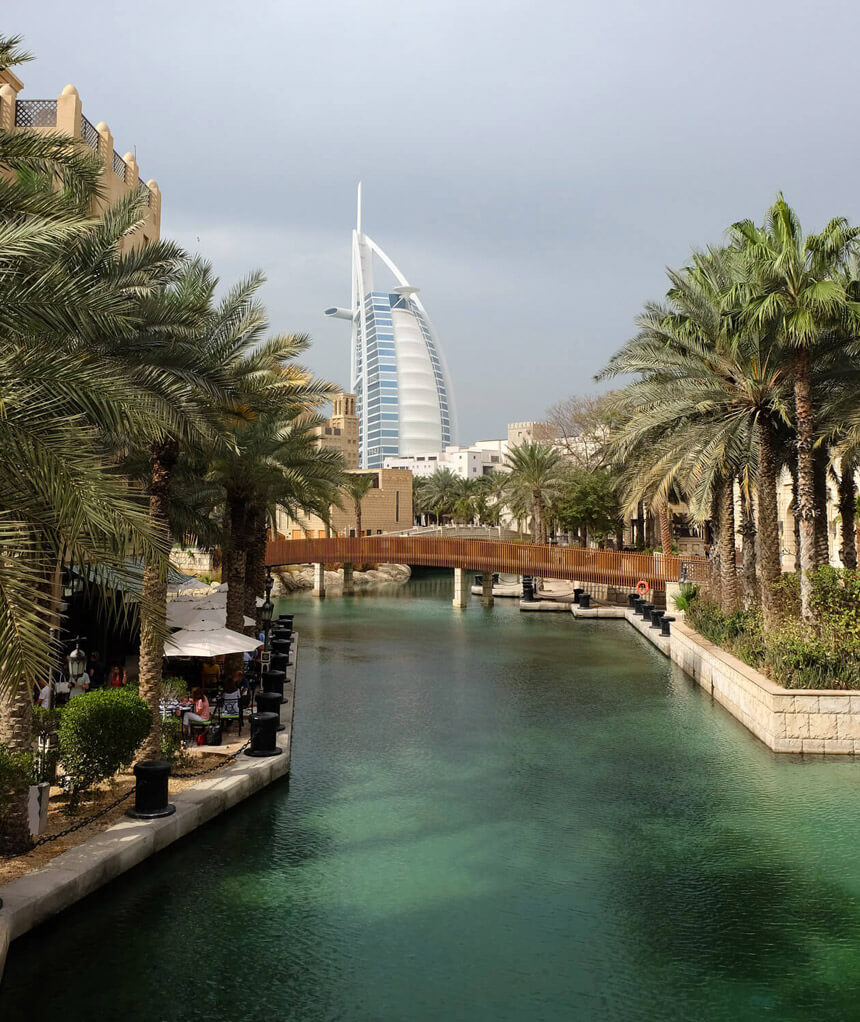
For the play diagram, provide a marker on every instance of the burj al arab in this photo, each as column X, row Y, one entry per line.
column 404, row 400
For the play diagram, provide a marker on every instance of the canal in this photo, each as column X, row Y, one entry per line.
column 491, row 816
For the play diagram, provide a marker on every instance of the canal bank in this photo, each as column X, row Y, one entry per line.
column 490, row 815
column 35, row 897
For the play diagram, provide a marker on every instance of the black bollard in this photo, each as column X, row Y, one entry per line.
column 273, row 681
column 264, row 736
column 528, row 589
column 150, row 793
column 655, row 617
column 270, row 702
column 279, row 662
column 645, row 609
column 631, row 600
column 665, row 626
column 585, row 601
column 577, row 595
column 281, row 646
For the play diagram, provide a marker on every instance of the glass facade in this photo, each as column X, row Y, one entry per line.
column 403, row 393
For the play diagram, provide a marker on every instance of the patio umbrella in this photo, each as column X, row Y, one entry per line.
column 212, row 642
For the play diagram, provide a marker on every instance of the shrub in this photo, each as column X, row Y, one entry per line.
column 16, row 769
column 100, row 733
column 796, row 655
column 46, row 722
column 685, row 598
column 173, row 688
column 171, row 739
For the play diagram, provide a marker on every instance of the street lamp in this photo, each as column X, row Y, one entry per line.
column 77, row 662
column 266, row 612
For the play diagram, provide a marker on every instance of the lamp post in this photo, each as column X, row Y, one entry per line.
column 266, row 612
column 76, row 662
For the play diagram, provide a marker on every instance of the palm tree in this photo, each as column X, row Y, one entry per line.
column 535, row 477
column 61, row 497
column 793, row 289
column 441, row 491
column 357, row 486
column 711, row 394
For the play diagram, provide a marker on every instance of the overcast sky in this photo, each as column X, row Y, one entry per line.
column 532, row 166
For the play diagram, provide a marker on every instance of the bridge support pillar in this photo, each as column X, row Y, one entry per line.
column 487, row 589
column 348, row 580
column 319, row 580
column 462, row 588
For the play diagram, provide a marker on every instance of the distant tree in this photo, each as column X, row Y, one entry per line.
column 589, row 502
column 534, row 481
column 581, row 426
column 357, row 486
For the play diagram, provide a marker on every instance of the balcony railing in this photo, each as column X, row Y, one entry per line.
column 145, row 193
column 89, row 134
column 36, row 113
column 119, row 167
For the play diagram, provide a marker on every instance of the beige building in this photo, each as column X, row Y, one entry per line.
column 121, row 174
column 340, row 432
column 386, row 507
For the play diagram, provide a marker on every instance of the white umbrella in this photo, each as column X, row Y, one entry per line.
column 212, row 642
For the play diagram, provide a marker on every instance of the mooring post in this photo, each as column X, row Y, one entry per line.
column 348, row 580
column 461, row 589
column 487, row 589
column 319, row 580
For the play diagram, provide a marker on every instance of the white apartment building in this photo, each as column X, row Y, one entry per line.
column 466, row 462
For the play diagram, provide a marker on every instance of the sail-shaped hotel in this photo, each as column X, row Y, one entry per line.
column 404, row 400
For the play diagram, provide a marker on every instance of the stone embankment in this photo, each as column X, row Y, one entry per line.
column 787, row 720
column 296, row 577
column 35, row 897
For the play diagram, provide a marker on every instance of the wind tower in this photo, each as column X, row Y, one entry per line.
column 404, row 399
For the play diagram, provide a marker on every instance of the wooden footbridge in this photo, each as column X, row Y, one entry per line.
column 608, row 567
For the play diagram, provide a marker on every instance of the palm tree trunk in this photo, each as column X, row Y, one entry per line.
column 255, row 565
column 715, row 575
column 357, row 517
column 805, row 416
column 153, row 616
column 665, row 530
column 238, row 546
column 822, row 543
column 748, row 535
column 539, row 527
column 847, row 513
column 729, row 596
column 16, row 731
column 767, row 548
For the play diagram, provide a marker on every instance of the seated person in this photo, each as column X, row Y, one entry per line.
column 232, row 698
column 198, row 710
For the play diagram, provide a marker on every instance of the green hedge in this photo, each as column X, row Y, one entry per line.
column 100, row 732
column 794, row 655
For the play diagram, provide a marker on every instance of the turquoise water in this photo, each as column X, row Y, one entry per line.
column 491, row 815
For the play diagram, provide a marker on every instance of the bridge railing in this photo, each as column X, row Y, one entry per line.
column 613, row 567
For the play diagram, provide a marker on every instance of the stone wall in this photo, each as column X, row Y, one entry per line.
column 786, row 720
